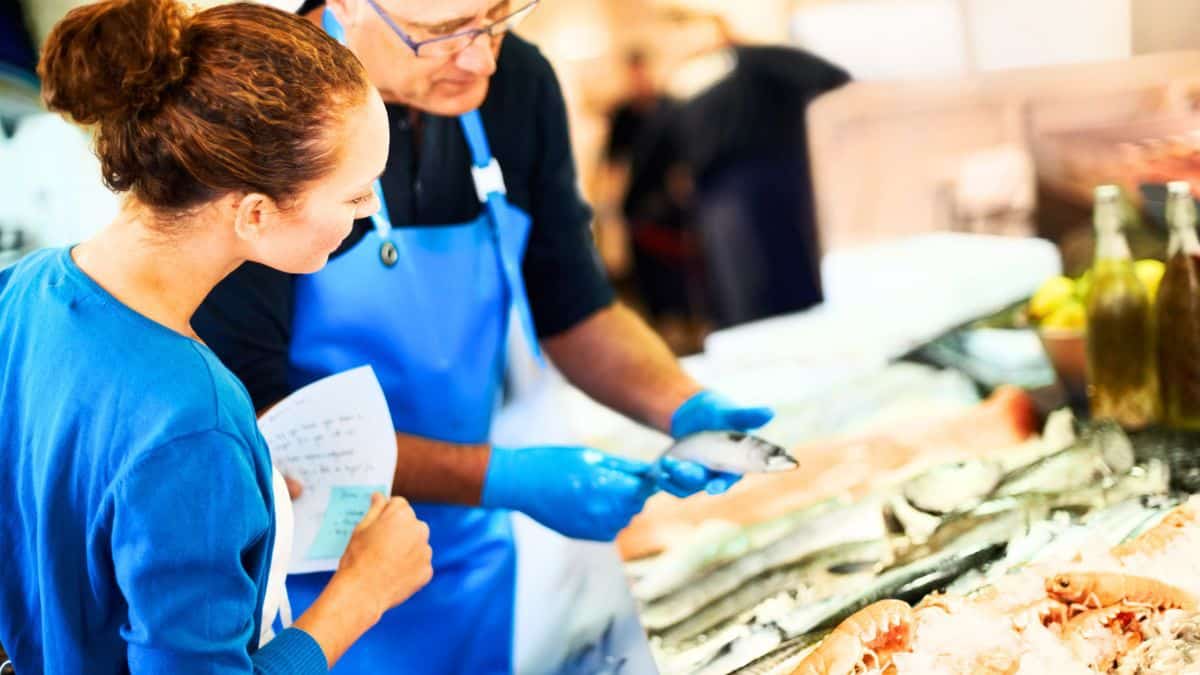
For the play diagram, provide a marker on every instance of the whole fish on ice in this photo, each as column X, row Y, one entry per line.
column 732, row 452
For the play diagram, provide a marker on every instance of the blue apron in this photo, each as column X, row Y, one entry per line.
column 428, row 307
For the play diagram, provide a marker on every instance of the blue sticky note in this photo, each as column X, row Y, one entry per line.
column 347, row 505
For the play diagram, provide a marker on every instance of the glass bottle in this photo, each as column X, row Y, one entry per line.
column 1122, row 383
column 1179, row 314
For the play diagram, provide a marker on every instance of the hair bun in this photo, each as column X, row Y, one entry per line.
column 115, row 59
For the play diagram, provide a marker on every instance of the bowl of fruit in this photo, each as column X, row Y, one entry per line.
column 1058, row 310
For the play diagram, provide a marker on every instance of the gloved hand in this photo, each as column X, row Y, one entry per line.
column 706, row 411
column 579, row 492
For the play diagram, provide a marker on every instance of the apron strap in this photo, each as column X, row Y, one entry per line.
column 477, row 142
column 332, row 26
column 489, row 186
column 285, row 611
column 380, row 219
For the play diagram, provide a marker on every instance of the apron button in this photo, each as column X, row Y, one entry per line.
column 388, row 254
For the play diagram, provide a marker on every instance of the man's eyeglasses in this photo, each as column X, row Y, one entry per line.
column 449, row 45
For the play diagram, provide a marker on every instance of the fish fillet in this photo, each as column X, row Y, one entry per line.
column 835, row 467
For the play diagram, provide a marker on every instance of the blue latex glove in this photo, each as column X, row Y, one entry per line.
column 578, row 492
column 706, row 411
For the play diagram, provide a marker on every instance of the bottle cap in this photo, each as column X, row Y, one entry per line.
column 1181, row 207
column 1107, row 193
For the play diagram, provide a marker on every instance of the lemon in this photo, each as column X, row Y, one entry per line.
column 1083, row 286
column 1070, row 315
column 1150, row 273
column 1052, row 295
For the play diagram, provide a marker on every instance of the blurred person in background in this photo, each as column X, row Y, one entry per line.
column 639, row 99
column 668, row 265
column 643, row 103
column 640, row 225
column 742, row 148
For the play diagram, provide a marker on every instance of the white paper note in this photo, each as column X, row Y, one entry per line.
column 335, row 436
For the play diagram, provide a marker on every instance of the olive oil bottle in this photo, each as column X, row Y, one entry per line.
column 1179, row 314
column 1121, row 353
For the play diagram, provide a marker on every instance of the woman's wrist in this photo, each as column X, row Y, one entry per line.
column 343, row 612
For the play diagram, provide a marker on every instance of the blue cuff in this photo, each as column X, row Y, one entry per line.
column 499, row 490
column 690, row 408
column 292, row 652
column 709, row 411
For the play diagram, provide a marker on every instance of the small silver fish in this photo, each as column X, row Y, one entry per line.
column 785, row 658
column 955, row 486
column 1098, row 456
column 732, row 452
column 817, row 569
column 858, row 522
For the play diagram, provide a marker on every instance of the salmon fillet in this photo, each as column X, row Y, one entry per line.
column 833, row 467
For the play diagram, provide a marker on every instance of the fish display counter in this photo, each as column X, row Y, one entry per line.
column 927, row 530
column 938, row 520
column 961, row 542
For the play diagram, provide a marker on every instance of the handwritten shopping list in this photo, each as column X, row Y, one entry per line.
column 347, row 506
column 335, row 437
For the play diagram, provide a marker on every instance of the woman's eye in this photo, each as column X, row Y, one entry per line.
column 358, row 201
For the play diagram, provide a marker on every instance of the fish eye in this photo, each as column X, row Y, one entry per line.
column 1063, row 582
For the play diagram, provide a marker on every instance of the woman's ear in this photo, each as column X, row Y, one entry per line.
column 253, row 214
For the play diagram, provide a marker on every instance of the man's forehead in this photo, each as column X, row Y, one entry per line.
column 435, row 11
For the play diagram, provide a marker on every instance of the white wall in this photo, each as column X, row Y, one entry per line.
column 884, row 39
column 1024, row 33
column 888, row 39
column 52, row 183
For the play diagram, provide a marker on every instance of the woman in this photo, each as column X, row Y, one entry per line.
column 137, row 504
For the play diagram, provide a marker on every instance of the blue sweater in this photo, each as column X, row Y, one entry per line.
column 136, row 511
